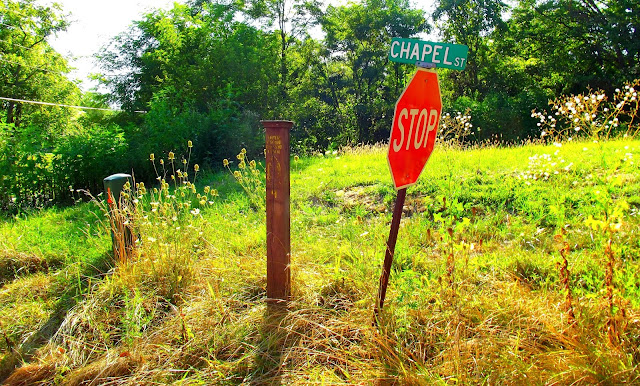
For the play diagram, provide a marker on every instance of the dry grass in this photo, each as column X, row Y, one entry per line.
column 496, row 332
column 189, row 306
column 14, row 264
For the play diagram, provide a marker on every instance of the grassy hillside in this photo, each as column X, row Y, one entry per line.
column 480, row 290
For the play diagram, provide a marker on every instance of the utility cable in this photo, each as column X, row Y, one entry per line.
column 56, row 72
column 68, row 106
column 16, row 44
column 32, row 67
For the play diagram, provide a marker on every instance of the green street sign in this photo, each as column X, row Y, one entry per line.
column 442, row 55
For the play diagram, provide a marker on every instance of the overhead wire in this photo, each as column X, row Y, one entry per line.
column 15, row 44
column 60, row 73
column 8, row 25
column 51, row 71
column 63, row 105
column 32, row 67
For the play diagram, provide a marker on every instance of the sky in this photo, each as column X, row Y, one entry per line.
column 93, row 24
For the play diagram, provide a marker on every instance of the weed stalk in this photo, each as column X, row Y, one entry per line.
column 565, row 279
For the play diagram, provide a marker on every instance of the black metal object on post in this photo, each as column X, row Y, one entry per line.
column 119, row 215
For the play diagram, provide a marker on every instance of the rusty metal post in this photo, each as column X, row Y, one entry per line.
column 278, row 209
column 388, row 256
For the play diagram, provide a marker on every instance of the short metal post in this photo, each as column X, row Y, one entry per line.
column 278, row 209
column 121, row 234
column 388, row 256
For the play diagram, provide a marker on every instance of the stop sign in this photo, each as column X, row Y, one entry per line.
column 415, row 123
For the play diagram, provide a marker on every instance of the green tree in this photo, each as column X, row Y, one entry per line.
column 29, row 68
column 193, row 56
column 577, row 44
column 201, row 74
column 356, row 67
column 469, row 22
column 290, row 20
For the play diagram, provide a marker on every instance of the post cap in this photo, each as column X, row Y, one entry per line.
column 116, row 177
column 277, row 124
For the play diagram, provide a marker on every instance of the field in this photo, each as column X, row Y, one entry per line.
column 514, row 265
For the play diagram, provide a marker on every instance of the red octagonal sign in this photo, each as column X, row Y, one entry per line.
column 415, row 124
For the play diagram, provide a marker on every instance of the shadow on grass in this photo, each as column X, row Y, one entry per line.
column 14, row 265
column 275, row 339
column 73, row 291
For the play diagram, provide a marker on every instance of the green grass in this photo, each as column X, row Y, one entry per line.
column 474, row 297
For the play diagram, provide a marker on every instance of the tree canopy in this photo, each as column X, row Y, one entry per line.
column 29, row 68
column 209, row 70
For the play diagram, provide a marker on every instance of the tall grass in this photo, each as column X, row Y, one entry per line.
column 479, row 291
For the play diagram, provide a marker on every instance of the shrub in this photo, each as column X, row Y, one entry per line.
column 592, row 115
column 37, row 171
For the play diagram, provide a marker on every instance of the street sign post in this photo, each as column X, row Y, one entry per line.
column 413, row 135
